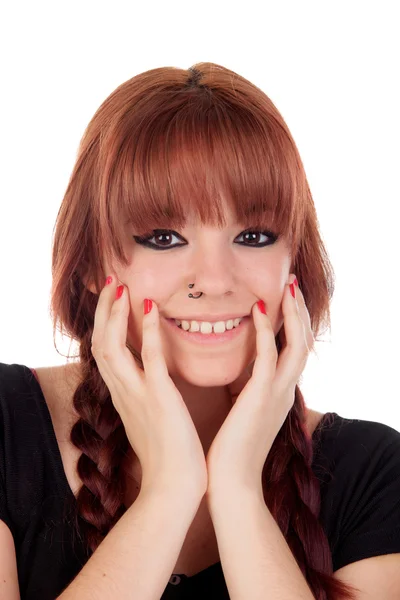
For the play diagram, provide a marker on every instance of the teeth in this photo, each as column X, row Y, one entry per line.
column 206, row 327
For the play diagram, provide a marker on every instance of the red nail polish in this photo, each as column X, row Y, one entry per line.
column 261, row 306
column 292, row 290
column 108, row 280
column 120, row 289
column 147, row 306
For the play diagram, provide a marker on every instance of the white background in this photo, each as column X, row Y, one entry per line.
column 332, row 69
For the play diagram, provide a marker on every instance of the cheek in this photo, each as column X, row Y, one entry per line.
column 266, row 273
column 148, row 281
column 158, row 284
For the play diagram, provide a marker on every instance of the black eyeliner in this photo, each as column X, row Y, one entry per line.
column 144, row 239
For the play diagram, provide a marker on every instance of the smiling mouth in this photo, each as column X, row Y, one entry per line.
column 206, row 328
column 209, row 336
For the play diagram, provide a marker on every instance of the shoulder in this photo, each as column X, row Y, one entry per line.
column 11, row 374
column 353, row 442
column 359, row 469
column 15, row 388
column 21, row 391
column 356, row 452
column 58, row 384
column 21, row 404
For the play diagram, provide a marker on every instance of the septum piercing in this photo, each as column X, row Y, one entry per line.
column 191, row 295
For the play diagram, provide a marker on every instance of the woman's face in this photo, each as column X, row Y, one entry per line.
column 231, row 271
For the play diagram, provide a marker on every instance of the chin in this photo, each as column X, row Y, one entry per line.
column 211, row 372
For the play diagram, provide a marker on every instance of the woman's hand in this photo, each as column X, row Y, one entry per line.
column 156, row 419
column 261, row 399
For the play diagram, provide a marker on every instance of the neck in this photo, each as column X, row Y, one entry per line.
column 208, row 408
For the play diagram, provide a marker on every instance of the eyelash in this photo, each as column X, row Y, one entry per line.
column 144, row 240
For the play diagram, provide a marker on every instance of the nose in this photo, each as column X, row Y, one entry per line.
column 214, row 272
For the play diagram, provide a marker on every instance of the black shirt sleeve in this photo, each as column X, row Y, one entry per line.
column 4, row 514
column 361, row 504
column 4, row 471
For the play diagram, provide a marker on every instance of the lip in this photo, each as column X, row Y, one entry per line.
column 210, row 338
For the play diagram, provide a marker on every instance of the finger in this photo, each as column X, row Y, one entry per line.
column 266, row 351
column 117, row 325
column 154, row 363
column 292, row 359
column 109, row 338
column 103, row 311
column 305, row 316
column 237, row 386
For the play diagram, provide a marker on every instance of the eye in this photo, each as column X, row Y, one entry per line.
column 253, row 234
column 144, row 240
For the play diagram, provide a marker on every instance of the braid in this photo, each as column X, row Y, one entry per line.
column 100, row 435
column 292, row 493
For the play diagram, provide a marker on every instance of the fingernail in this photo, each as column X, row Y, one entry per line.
column 292, row 290
column 108, row 280
column 261, row 306
column 296, row 282
column 120, row 289
column 147, row 305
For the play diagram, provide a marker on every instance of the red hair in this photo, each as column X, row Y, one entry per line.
column 164, row 144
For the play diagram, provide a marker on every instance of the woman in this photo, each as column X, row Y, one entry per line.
column 180, row 442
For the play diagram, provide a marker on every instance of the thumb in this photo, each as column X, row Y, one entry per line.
column 237, row 386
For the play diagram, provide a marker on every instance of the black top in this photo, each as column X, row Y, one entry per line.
column 356, row 461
